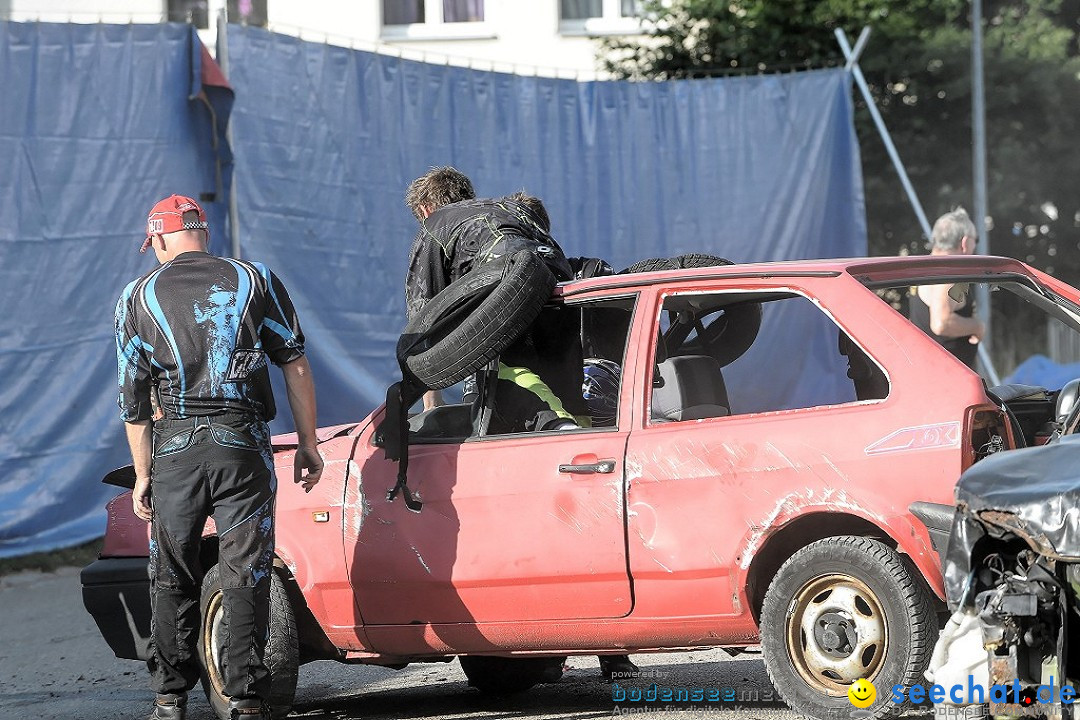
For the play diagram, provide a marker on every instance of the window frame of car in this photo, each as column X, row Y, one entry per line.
column 624, row 413
column 651, row 343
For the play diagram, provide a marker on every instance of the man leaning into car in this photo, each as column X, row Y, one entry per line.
column 458, row 232
column 195, row 334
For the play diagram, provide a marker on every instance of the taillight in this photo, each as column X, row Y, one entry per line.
column 986, row 431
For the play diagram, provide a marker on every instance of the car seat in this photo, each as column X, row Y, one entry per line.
column 870, row 381
column 689, row 387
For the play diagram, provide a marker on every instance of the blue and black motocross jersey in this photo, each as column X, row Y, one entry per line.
column 198, row 330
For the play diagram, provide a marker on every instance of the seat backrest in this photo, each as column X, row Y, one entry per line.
column 869, row 379
column 691, row 387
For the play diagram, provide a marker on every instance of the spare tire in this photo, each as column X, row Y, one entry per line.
column 475, row 318
column 725, row 338
column 679, row 262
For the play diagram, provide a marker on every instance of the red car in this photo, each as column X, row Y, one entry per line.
column 734, row 497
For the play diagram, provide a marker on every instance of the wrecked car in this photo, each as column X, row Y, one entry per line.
column 1012, row 574
column 735, row 495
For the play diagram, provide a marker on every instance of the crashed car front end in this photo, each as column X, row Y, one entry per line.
column 1012, row 576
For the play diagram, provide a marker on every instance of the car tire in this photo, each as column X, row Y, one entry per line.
column 282, row 649
column 475, row 318
column 679, row 262
column 871, row 618
column 506, row 676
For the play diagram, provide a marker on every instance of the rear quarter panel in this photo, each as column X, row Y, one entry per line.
column 705, row 496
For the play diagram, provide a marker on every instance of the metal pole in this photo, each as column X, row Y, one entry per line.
column 223, row 61
column 853, row 63
column 978, row 151
column 856, row 71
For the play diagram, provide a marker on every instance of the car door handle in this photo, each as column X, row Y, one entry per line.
column 600, row 466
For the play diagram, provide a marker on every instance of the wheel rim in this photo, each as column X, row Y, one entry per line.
column 212, row 641
column 836, row 633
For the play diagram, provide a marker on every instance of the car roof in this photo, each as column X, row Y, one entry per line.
column 872, row 271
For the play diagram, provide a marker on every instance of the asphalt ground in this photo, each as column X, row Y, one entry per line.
column 54, row 664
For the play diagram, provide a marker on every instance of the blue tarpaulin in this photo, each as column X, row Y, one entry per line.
column 97, row 125
column 327, row 138
column 101, row 121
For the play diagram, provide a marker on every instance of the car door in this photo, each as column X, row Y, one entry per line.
column 520, row 527
column 757, row 436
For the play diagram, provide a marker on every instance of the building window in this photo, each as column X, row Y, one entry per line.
column 247, row 12
column 432, row 12
column 606, row 9
column 195, row 12
column 599, row 17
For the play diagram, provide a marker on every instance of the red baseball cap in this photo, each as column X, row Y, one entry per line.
column 168, row 217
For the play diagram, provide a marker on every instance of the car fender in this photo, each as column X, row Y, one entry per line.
column 900, row 527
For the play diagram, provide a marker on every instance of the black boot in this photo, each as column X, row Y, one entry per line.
column 170, row 707
column 613, row 667
column 248, row 709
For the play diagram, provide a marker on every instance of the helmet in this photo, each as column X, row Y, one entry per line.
column 601, row 390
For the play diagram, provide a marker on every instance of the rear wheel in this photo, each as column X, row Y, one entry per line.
column 505, row 676
column 840, row 610
column 282, row 649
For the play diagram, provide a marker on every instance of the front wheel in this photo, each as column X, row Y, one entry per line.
column 282, row 655
column 840, row 610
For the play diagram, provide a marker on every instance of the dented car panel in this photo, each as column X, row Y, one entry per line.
column 1013, row 566
column 670, row 540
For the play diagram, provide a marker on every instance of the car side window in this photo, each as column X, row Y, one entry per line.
column 737, row 353
column 564, row 373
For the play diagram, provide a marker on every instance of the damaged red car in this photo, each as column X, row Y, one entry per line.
column 735, row 496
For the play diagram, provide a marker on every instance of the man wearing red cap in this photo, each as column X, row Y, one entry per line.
column 196, row 334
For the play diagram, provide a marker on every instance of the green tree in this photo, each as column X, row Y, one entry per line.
column 918, row 66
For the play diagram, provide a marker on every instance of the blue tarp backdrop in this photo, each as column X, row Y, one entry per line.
column 97, row 125
column 327, row 138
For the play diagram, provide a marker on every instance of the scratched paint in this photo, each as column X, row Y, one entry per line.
column 833, row 499
column 357, row 507
column 420, row 558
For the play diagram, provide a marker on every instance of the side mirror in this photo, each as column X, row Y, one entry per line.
column 1066, row 400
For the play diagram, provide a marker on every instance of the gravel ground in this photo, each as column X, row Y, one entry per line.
column 54, row 664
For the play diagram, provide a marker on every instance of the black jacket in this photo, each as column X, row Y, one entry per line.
column 457, row 237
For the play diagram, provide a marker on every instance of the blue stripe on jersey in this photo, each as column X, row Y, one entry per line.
column 281, row 330
column 128, row 357
column 159, row 315
column 265, row 273
column 123, row 354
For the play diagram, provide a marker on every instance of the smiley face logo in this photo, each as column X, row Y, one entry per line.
column 862, row 693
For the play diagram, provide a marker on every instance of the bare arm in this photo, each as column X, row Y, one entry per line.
column 301, row 391
column 944, row 320
column 140, row 437
column 432, row 399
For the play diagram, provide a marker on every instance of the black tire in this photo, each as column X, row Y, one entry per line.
column 282, row 649
column 474, row 319
column 825, row 585
column 679, row 262
column 506, row 676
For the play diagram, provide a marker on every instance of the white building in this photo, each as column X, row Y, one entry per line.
column 548, row 37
